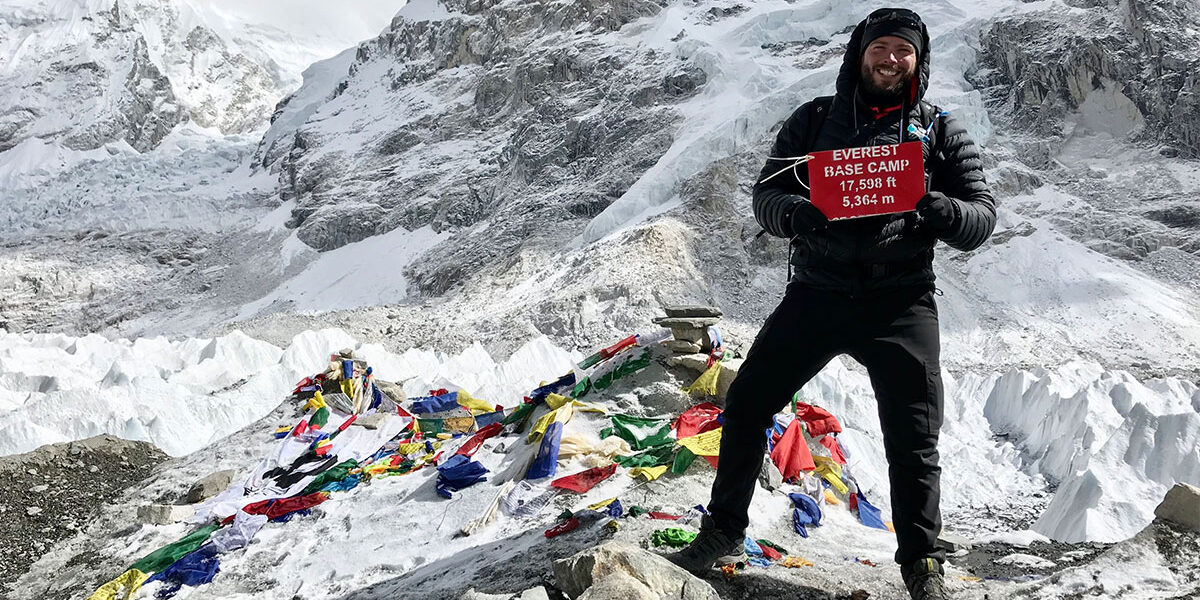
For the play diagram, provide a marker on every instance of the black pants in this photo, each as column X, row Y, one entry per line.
column 895, row 336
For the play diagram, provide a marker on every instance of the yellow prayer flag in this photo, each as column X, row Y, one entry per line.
column 649, row 473
column 703, row 444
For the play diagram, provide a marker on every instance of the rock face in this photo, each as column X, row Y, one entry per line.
column 520, row 117
column 616, row 570
column 1143, row 50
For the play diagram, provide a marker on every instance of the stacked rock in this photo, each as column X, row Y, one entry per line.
column 690, row 326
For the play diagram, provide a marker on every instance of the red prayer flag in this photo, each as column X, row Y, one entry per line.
column 818, row 420
column 791, row 453
column 697, row 419
column 582, row 482
column 835, row 449
column 473, row 444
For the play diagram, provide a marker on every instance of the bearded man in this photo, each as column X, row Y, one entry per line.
column 862, row 287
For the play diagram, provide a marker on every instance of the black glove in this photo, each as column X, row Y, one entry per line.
column 806, row 218
column 938, row 211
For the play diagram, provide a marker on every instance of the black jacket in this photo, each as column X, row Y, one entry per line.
column 886, row 251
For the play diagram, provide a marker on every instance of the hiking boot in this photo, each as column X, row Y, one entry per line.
column 711, row 547
column 925, row 580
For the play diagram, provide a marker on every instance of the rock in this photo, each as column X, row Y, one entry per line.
column 695, row 362
column 210, row 486
column 770, row 477
column 619, row 586
column 729, row 371
column 93, row 469
column 953, row 542
column 613, row 570
column 1181, row 506
column 537, row 593
column 32, row 510
column 688, row 334
column 392, row 390
column 370, row 421
column 346, row 353
column 165, row 514
column 692, row 311
column 37, row 489
column 682, row 347
column 683, row 322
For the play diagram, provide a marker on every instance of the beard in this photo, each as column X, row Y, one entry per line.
column 877, row 94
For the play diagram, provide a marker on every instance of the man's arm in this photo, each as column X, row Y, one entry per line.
column 960, row 178
column 775, row 200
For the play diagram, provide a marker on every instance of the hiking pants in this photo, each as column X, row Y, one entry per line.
column 894, row 334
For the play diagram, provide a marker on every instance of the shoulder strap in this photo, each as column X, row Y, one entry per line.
column 816, row 120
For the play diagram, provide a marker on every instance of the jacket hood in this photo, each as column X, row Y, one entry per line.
column 848, row 77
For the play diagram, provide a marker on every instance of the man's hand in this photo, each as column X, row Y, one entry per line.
column 806, row 218
column 938, row 211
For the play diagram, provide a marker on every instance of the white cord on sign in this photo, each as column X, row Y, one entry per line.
column 798, row 160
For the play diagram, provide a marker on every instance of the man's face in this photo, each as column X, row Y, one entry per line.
column 888, row 64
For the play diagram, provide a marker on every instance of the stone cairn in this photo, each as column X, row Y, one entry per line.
column 690, row 325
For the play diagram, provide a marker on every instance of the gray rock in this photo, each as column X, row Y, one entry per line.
column 210, row 486
column 471, row 594
column 682, row 347
column 692, row 311
column 370, row 421
column 953, row 542
column 1181, row 505
column 165, row 514
column 695, row 362
column 614, row 570
column 770, row 477
column 689, row 334
column 682, row 322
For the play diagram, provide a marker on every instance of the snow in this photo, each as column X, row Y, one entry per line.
column 183, row 395
column 357, row 274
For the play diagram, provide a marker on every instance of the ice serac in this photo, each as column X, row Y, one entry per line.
column 1113, row 444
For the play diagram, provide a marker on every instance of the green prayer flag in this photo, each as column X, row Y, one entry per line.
column 673, row 537
column 659, row 455
column 683, row 460
column 167, row 555
column 320, row 418
column 431, row 425
column 518, row 414
column 333, row 474
column 642, row 433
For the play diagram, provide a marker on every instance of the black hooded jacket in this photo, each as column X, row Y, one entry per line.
column 886, row 251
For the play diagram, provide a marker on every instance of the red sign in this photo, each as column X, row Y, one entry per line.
column 865, row 181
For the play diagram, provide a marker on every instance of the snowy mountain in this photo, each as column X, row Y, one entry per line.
column 482, row 174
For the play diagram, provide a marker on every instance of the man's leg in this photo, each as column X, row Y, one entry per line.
column 903, row 361
column 795, row 342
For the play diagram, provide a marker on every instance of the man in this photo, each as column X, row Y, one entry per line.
column 863, row 287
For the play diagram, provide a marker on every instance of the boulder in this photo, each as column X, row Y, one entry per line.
column 210, row 486
column 165, row 514
column 618, row 571
column 1181, row 506
column 692, row 310
column 686, row 322
column 770, row 477
column 537, row 593
column 689, row 334
column 371, row 421
column 682, row 347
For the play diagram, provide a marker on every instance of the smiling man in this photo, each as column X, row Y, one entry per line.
column 863, row 287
